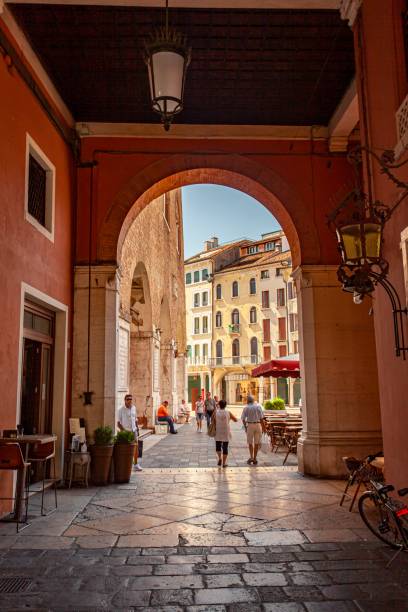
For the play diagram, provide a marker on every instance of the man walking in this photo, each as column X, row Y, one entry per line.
column 164, row 416
column 252, row 418
column 209, row 405
column 128, row 421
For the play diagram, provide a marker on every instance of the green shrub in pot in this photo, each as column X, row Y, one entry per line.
column 103, row 436
column 276, row 404
column 124, row 437
column 101, row 454
column 123, row 455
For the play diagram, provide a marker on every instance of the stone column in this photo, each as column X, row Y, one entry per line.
column 103, row 344
column 341, row 413
column 290, row 392
column 261, row 390
column 141, row 375
column 156, row 375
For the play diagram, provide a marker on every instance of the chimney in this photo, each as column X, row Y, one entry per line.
column 212, row 243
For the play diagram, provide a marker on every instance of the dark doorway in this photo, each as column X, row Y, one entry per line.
column 36, row 388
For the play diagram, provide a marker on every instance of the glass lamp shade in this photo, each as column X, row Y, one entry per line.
column 167, row 67
column 360, row 242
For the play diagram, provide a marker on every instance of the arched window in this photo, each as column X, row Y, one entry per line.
column 235, row 289
column 218, row 352
column 218, row 292
column 235, row 351
column 252, row 286
column 218, row 319
column 254, row 350
column 252, row 315
column 235, row 317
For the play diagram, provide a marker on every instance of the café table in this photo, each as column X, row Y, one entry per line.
column 25, row 441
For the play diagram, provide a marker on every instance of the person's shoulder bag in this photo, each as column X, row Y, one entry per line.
column 212, row 427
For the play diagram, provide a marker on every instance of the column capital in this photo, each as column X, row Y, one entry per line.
column 349, row 10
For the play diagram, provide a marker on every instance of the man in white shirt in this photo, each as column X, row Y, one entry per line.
column 252, row 417
column 127, row 420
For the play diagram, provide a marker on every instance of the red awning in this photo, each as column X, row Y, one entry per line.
column 278, row 368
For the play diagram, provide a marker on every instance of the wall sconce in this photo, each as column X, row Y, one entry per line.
column 359, row 224
column 167, row 58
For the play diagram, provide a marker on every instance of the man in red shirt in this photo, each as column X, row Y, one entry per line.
column 163, row 416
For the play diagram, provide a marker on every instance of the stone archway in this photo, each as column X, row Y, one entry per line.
column 167, row 351
column 234, row 171
column 340, row 398
column 141, row 344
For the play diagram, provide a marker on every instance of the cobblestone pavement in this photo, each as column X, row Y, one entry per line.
column 202, row 539
column 192, row 449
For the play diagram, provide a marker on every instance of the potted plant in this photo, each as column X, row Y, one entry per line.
column 101, row 453
column 123, row 454
column 275, row 406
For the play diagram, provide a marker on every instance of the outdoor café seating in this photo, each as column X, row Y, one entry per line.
column 11, row 459
column 40, row 455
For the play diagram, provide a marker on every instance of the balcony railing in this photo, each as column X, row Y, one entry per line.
column 195, row 361
column 245, row 360
column 234, row 328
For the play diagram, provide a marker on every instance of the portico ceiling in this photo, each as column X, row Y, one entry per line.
column 250, row 66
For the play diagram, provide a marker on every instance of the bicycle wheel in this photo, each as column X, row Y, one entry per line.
column 379, row 519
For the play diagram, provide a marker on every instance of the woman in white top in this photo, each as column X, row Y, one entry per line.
column 222, row 419
column 199, row 408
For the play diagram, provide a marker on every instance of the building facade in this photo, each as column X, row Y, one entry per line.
column 198, row 290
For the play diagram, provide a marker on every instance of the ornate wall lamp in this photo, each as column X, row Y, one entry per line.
column 359, row 224
column 167, row 58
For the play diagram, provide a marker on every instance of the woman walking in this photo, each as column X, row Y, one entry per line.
column 199, row 408
column 222, row 420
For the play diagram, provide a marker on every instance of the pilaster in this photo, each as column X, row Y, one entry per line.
column 340, row 404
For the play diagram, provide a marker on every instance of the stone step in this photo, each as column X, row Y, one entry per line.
column 145, row 433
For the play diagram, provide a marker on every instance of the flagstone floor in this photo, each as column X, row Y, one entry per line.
column 182, row 538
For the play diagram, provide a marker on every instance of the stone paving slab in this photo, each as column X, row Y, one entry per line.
column 243, row 539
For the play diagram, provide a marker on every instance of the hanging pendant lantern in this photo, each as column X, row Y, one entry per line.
column 167, row 58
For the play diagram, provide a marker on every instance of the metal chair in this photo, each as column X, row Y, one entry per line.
column 40, row 454
column 291, row 441
column 11, row 458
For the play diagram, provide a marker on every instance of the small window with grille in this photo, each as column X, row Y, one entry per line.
column 40, row 188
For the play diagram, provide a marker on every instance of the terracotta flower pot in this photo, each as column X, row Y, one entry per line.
column 123, row 461
column 100, row 464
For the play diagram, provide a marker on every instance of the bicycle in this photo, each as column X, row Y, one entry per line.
column 385, row 517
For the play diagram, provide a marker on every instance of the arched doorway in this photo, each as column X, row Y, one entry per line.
column 141, row 333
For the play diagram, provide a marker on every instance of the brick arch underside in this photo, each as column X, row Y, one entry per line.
column 239, row 173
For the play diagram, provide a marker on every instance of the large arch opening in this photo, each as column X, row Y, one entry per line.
column 324, row 313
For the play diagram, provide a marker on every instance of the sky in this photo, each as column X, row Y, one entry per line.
column 214, row 210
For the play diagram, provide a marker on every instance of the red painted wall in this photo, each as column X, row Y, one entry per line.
column 25, row 254
column 382, row 82
column 302, row 175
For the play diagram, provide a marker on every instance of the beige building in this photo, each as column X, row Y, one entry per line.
column 255, row 320
column 142, row 303
column 199, row 272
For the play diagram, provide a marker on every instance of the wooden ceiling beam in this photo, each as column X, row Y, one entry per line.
column 345, row 118
column 201, row 4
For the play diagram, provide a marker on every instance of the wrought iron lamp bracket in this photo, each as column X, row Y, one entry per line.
column 362, row 269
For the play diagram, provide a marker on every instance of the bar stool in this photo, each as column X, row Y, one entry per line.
column 40, row 454
column 11, row 458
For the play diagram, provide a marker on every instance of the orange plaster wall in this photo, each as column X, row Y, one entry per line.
column 25, row 254
column 386, row 86
column 127, row 168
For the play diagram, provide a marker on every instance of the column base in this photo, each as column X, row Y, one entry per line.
column 321, row 455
